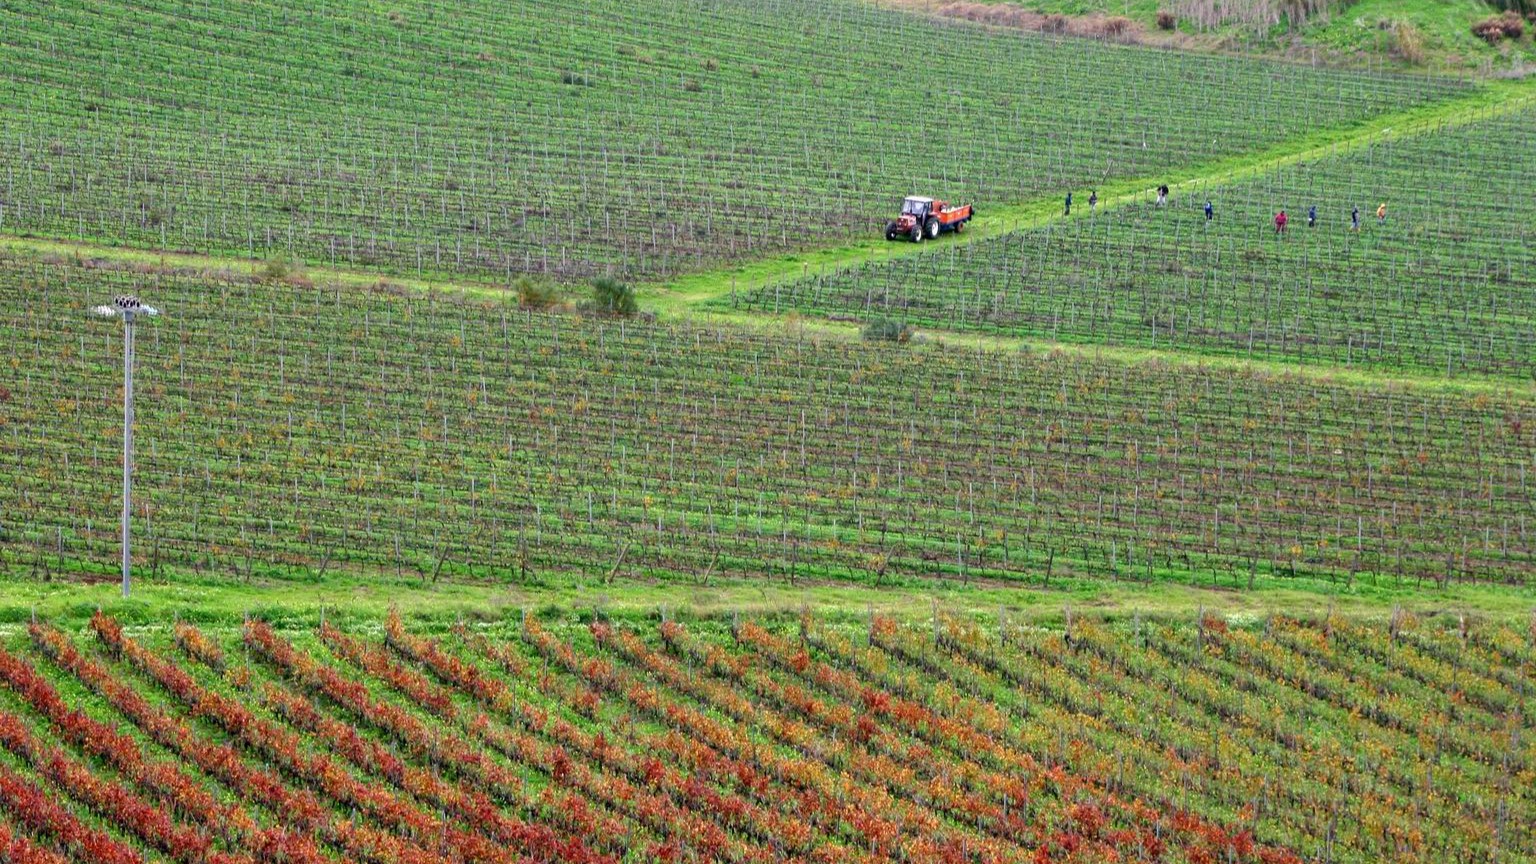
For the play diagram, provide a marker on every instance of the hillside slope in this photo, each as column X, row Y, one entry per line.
column 575, row 138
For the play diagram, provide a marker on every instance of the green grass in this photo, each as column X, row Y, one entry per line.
column 1364, row 29
column 363, row 598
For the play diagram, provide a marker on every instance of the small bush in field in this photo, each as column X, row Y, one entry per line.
column 1166, row 20
column 887, row 330
column 535, row 293
column 275, row 270
column 612, row 297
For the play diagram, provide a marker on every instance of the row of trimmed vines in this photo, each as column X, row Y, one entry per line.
column 1331, row 739
column 290, row 431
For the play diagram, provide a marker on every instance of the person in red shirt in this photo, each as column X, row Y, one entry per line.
column 1280, row 220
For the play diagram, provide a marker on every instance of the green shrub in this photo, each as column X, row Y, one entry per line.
column 275, row 270
column 887, row 330
column 612, row 297
column 535, row 293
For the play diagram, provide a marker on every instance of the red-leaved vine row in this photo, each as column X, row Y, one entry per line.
column 692, row 832
column 472, row 807
column 446, row 751
column 1008, row 805
column 1068, row 821
column 886, row 824
column 38, row 812
column 175, row 789
column 696, row 749
column 290, row 845
column 16, row 849
column 107, row 797
column 1203, row 837
column 1084, row 833
column 795, row 835
column 282, row 749
column 607, row 782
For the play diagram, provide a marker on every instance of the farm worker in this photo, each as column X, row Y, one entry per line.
column 1210, row 212
column 1381, row 214
column 1354, row 218
column 1280, row 220
column 1312, row 216
column 1093, row 200
column 1068, row 211
column 1162, row 195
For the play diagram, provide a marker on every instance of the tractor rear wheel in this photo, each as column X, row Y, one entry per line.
column 933, row 228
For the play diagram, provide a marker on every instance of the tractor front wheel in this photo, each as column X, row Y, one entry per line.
column 890, row 231
column 933, row 229
column 917, row 233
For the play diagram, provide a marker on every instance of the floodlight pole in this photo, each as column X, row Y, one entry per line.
column 129, row 309
column 127, row 441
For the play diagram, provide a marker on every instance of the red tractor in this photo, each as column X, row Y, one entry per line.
column 925, row 219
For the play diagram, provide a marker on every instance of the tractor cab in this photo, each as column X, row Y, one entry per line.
column 917, row 207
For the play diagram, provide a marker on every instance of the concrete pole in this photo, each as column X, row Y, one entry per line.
column 127, row 440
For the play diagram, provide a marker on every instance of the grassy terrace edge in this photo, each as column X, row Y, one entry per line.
column 353, row 596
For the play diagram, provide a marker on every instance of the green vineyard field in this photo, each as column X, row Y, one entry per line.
column 287, row 429
column 588, row 137
column 1446, row 285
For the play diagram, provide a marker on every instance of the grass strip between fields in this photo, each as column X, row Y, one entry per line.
column 365, row 597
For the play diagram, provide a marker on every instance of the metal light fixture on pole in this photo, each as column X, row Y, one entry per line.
column 128, row 308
